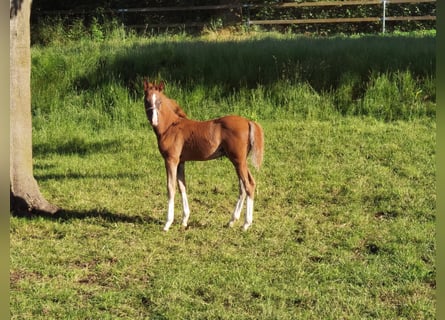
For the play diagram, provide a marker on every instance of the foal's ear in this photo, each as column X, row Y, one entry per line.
column 146, row 84
column 161, row 86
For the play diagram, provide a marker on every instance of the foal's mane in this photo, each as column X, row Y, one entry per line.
column 175, row 107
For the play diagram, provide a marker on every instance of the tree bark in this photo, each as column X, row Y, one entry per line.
column 24, row 190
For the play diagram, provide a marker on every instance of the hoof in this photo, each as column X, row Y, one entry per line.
column 167, row 225
column 246, row 226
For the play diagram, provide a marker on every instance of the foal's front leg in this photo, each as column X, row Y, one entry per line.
column 185, row 203
column 171, row 167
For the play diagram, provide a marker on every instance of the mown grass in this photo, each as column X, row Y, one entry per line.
column 343, row 229
column 344, row 222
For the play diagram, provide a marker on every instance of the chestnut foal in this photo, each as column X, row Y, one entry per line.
column 181, row 139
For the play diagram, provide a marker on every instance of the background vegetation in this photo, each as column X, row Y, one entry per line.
column 344, row 222
column 194, row 21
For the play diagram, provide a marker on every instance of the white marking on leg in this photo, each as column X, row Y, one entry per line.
column 249, row 213
column 239, row 205
column 182, row 188
column 186, row 212
column 171, row 188
column 170, row 213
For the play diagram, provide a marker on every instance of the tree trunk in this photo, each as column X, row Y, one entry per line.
column 24, row 191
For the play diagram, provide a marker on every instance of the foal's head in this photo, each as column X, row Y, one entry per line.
column 155, row 100
column 152, row 101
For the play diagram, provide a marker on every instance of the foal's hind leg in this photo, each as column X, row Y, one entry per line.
column 239, row 205
column 250, row 189
column 181, row 183
column 247, row 186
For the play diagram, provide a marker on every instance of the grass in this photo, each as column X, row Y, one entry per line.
column 269, row 77
column 344, row 221
column 343, row 228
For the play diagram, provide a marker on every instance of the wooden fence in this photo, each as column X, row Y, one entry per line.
column 244, row 15
column 383, row 18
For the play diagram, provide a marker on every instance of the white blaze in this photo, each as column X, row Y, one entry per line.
column 154, row 117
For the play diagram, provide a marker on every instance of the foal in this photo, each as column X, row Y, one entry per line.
column 181, row 139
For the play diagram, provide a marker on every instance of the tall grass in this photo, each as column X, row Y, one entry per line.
column 265, row 76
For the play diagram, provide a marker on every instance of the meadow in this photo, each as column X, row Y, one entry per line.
column 344, row 220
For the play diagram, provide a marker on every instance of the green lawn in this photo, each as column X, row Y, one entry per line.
column 344, row 228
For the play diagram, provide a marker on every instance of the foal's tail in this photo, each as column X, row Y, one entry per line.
column 256, row 142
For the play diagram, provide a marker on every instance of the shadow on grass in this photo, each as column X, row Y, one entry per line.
column 65, row 215
column 77, row 175
column 323, row 63
column 77, row 145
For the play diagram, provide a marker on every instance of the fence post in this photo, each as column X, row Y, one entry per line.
column 384, row 16
column 247, row 6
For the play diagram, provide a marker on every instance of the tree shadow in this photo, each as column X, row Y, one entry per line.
column 66, row 215
column 76, row 145
column 77, row 175
column 320, row 62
